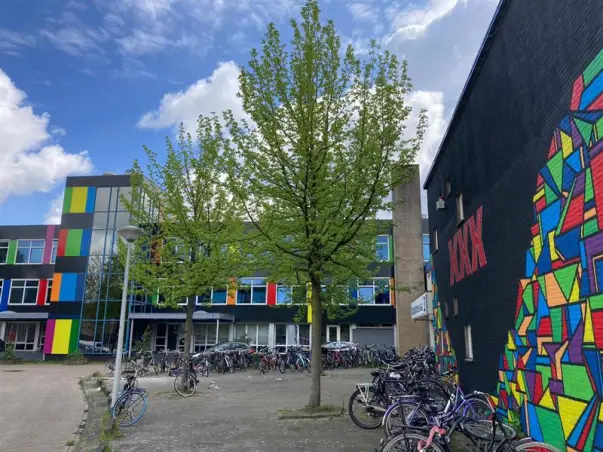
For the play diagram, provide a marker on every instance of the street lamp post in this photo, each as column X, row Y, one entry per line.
column 129, row 234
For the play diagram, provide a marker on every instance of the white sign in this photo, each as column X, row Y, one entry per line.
column 418, row 308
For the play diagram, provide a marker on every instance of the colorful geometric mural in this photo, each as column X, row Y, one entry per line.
column 550, row 371
column 443, row 346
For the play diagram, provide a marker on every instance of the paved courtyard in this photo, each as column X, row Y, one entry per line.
column 241, row 415
column 42, row 405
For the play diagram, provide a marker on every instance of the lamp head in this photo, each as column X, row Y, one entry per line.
column 130, row 233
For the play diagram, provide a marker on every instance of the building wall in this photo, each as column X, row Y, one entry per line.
column 524, row 150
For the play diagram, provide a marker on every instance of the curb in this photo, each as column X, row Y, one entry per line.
column 83, row 421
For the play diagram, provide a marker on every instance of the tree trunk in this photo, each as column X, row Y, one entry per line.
column 188, row 329
column 316, row 349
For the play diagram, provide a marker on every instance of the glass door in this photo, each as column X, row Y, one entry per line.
column 333, row 333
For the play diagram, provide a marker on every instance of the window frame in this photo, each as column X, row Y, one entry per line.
column 15, row 342
column 374, row 287
column 29, row 251
column 297, row 335
column 211, row 299
column 460, row 209
column 251, row 286
column 54, row 251
column 257, row 330
column 455, row 307
column 48, row 291
column 425, row 241
column 435, row 241
column 7, row 247
column 12, row 286
column 468, row 334
column 448, row 188
column 1, row 287
column 378, row 245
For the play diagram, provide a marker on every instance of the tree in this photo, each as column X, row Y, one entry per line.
column 194, row 227
column 319, row 158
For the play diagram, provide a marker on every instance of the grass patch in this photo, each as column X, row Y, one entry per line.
column 323, row 411
column 70, row 443
column 97, row 374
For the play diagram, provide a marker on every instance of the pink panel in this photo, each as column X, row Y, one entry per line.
column 49, row 337
column 48, row 244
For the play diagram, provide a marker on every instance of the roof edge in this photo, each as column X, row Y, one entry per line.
column 481, row 56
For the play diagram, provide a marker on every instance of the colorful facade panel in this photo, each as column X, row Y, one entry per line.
column 79, row 200
column 550, row 371
column 61, row 336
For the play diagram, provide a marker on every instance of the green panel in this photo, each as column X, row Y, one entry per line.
column 551, row 427
column 542, row 285
column 556, row 324
column 576, row 382
column 565, row 277
column 593, row 68
column 528, row 298
column 566, row 208
column 588, row 186
column 590, row 227
column 596, row 302
column 585, row 129
column 391, row 248
column 599, row 129
column 12, row 252
column 75, row 335
column 555, row 165
column 545, row 372
column 67, row 200
column 74, row 242
column 549, row 194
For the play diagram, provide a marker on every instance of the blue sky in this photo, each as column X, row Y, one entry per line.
column 84, row 84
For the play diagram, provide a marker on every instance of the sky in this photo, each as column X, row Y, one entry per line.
column 84, row 84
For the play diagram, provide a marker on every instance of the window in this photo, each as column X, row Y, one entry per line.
column 375, row 291
column 30, row 251
column 160, row 336
column 4, row 251
column 205, row 336
column 445, row 310
column 448, row 188
column 254, row 334
column 435, row 240
column 48, row 292
column 251, row 291
column 292, row 334
column 53, row 253
column 1, row 285
column 455, row 306
column 213, row 296
column 468, row 343
column 383, row 248
column 425, row 239
column 284, row 294
column 23, row 335
column 23, row 291
column 460, row 213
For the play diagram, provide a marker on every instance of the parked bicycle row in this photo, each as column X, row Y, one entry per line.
column 419, row 409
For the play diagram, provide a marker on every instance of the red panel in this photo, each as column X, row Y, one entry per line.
column 575, row 213
column 539, row 181
column 596, row 166
column 62, row 242
column 535, row 230
column 537, row 388
column 577, row 93
column 271, row 294
column 598, row 327
column 597, row 104
column 540, row 204
column 42, row 292
column 552, row 148
column 544, row 329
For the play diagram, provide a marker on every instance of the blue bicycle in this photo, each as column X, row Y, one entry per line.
column 131, row 403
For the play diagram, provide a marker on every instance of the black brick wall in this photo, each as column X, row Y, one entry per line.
column 497, row 142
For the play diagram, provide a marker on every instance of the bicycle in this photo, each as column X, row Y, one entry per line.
column 131, row 404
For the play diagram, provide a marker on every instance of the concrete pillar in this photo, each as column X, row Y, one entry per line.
column 408, row 254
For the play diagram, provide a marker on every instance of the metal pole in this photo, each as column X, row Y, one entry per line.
column 217, row 330
column 120, row 337
column 130, row 339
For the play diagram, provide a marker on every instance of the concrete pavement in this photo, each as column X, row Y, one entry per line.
column 41, row 405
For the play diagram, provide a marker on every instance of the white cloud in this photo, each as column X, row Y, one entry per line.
column 53, row 216
column 76, row 41
column 29, row 162
column 363, row 11
column 215, row 93
column 412, row 23
column 11, row 42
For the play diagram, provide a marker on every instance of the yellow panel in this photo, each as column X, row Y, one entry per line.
column 566, row 144
column 309, row 313
column 511, row 342
column 551, row 237
column 539, row 194
column 569, row 412
column 537, row 246
column 62, row 331
column 589, row 336
column 78, row 200
column 547, row 400
column 575, row 294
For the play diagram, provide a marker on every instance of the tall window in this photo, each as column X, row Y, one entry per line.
column 448, row 188
column 48, row 291
column 30, row 251
column 53, row 254
column 213, row 296
column 383, row 248
column 455, row 306
column 1, row 286
column 375, row 291
column 205, row 336
column 254, row 334
column 251, row 291
column 4, row 251
column 468, row 343
column 425, row 239
column 460, row 211
column 22, row 335
column 23, row 291
column 435, row 240
column 292, row 334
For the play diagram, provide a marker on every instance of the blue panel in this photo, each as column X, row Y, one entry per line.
column 568, row 177
column 588, row 117
column 598, row 443
column 534, row 425
column 85, row 248
column 68, row 287
column 544, row 262
column 530, row 264
column 90, row 201
column 568, row 244
column 565, row 125
column 550, row 217
column 548, row 178
column 79, row 287
column 592, row 92
column 573, row 160
column 4, row 297
column 579, row 429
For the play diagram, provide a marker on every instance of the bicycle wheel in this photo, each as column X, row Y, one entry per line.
column 109, row 367
column 185, row 384
column 477, row 408
column 405, row 414
column 484, row 429
column 156, row 368
column 535, row 446
column 366, row 414
column 409, row 442
column 281, row 366
column 129, row 408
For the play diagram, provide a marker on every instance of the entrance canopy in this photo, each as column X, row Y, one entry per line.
column 197, row 315
column 12, row 315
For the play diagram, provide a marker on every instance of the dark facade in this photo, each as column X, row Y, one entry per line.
column 515, row 250
column 62, row 287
